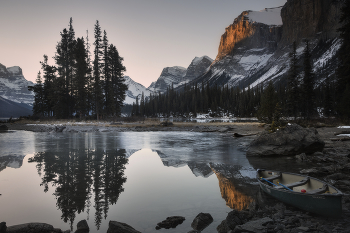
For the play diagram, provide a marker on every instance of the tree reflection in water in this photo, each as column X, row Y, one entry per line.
column 79, row 174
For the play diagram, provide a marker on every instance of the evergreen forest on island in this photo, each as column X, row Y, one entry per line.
column 77, row 85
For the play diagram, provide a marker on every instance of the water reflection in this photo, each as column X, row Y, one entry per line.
column 80, row 174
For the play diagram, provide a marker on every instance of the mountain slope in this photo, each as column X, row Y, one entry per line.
column 134, row 90
column 14, row 87
column 13, row 109
column 255, row 48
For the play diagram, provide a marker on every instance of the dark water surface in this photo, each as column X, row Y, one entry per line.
column 139, row 178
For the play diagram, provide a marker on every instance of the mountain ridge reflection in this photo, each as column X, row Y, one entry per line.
column 80, row 174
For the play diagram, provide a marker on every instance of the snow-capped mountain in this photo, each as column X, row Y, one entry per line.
column 14, row 87
column 255, row 47
column 169, row 76
column 134, row 90
column 177, row 76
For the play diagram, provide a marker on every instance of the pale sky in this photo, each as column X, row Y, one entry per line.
column 149, row 34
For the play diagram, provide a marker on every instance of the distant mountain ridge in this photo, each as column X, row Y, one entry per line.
column 177, row 76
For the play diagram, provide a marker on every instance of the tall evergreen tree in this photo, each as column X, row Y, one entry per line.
column 308, row 94
column 117, row 81
column 293, row 98
column 38, row 89
column 89, row 76
column 50, row 93
column 97, row 67
column 81, row 81
column 268, row 104
column 343, row 71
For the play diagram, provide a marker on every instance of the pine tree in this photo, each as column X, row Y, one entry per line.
column 343, row 71
column 97, row 85
column 308, row 94
column 293, row 95
column 108, row 88
column 38, row 89
column 89, row 76
column 50, row 93
column 268, row 104
column 142, row 105
column 119, row 88
column 81, row 81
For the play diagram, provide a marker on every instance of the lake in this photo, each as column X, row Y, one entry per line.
column 138, row 178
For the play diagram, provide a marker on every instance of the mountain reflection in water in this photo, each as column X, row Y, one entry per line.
column 80, row 174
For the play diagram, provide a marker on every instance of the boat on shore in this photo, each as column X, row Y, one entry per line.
column 304, row 192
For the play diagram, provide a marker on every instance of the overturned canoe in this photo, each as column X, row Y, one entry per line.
column 304, row 192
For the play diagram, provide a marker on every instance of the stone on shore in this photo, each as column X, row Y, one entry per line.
column 201, row 221
column 256, row 226
column 3, row 227
column 31, row 227
column 82, row 227
column 119, row 227
column 170, row 222
column 59, row 129
column 290, row 141
column 235, row 218
column 3, row 128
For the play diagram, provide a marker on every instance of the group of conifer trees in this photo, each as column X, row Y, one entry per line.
column 76, row 86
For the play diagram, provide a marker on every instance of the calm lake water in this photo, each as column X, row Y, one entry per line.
column 139, row 178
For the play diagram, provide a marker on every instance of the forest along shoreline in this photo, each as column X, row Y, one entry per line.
column 331, row 165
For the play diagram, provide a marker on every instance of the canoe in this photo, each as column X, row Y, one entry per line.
column 304, row 192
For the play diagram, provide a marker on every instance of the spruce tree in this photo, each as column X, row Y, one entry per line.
column 97, row 66
column 293, row 95
column 50, row 92
column 343, row 70
column 81, row 81
column 268, row 104
column 308, row 94
column 38, row 89
column 119, row 88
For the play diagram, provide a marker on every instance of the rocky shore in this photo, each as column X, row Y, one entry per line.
column 265, row 214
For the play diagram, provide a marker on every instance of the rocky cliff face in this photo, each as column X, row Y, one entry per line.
column 310, row 19
column 197, row 67
column 255, row 48
column 250, row 30
column 169, row 76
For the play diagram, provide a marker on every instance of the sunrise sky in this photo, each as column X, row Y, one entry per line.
column 149, row 34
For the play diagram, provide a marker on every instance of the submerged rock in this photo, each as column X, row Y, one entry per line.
column 170, row 222
column 291, row 140
column 82, row 227
column 119, row 227
column 31, row 227
column 201, row 221
column 3, row 128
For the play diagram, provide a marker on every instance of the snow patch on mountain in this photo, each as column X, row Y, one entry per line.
column 329, row 54
column 134, row 90
column 268, row 16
